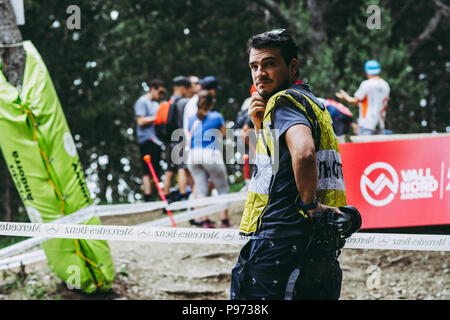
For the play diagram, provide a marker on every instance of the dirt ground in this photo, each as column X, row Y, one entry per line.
column 156, row 271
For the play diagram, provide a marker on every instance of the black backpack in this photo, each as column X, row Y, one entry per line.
column 166, row 120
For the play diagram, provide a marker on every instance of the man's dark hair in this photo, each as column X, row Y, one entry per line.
column 156, row 83
column 279, row 38
column 181, row 81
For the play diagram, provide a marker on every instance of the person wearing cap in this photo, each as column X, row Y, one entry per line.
column 181, row 86
column 296, row 175
column 145, row 110
column 371, row 97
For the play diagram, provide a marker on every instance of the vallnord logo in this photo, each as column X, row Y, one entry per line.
column 387, row 178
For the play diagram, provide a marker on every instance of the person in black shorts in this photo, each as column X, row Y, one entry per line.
column 145, row 110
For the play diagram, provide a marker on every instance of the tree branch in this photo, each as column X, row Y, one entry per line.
column 275, row 9
column 318, row 32
column 441, row 9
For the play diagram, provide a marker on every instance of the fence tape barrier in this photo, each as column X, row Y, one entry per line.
column 90, row 211
column 22, row 259
column 185, row 216
column 125, row 209
column 230, row 197
column 398, row 241
column 388, row 241
column 123, row 233
column 380, row 241
column 75, row 218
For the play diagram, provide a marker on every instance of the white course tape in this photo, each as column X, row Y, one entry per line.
column 124, row 209
column 387, row 241
column 22, row 259
column 381, row 241
column 185, row 216
column 398, row 241
column 30, row 257
column 21, row 246
column 75, row 219
column 80, row 216
column 230, row 197
column 122, row 233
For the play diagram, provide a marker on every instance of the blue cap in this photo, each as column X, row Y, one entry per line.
column 210, row 82
column 372, row 67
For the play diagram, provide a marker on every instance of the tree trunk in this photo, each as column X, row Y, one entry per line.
column 12, row 54
column 12, row 64
column 318, row 32
column 7, row 199
column 6, row 190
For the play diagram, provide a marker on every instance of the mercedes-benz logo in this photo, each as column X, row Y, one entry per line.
column 383, row 241
column 52, row 229
column 228, row 236
column 143, row 233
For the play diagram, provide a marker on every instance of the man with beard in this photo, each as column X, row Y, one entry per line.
column 297, row 172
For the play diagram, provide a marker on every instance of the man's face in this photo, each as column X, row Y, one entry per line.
column 158, row 93
column 195, row 85
column 270, row 73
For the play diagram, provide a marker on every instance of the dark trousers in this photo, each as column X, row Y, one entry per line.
column 154, row 151
column 276, row 269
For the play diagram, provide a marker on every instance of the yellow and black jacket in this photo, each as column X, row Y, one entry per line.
column 270, row 210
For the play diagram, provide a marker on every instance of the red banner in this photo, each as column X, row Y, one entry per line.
column 402, row 183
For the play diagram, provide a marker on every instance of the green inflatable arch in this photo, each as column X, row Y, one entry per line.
column 41, row 156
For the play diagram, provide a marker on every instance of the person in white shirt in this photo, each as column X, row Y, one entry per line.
column 209, row 83
column 371, row 97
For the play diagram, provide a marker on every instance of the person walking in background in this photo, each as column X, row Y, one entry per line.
column 209, row 83
column 371, row 97
column 205, row 160
column 193, row 91
column 181, row 86
column 145, row 110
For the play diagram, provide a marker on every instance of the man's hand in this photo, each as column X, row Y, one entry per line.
column 346, row 97
column 342, row 95
column 144, row 121
column 320, row 207
column 256, row 110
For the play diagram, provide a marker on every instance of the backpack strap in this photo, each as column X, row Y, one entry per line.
column 315, row 127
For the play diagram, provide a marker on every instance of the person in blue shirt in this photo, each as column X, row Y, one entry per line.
column 206, row 129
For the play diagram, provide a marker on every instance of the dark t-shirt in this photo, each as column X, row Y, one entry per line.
column 181, row 103
column 280, row 217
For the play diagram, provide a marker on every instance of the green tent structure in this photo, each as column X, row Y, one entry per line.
column 43, row 161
